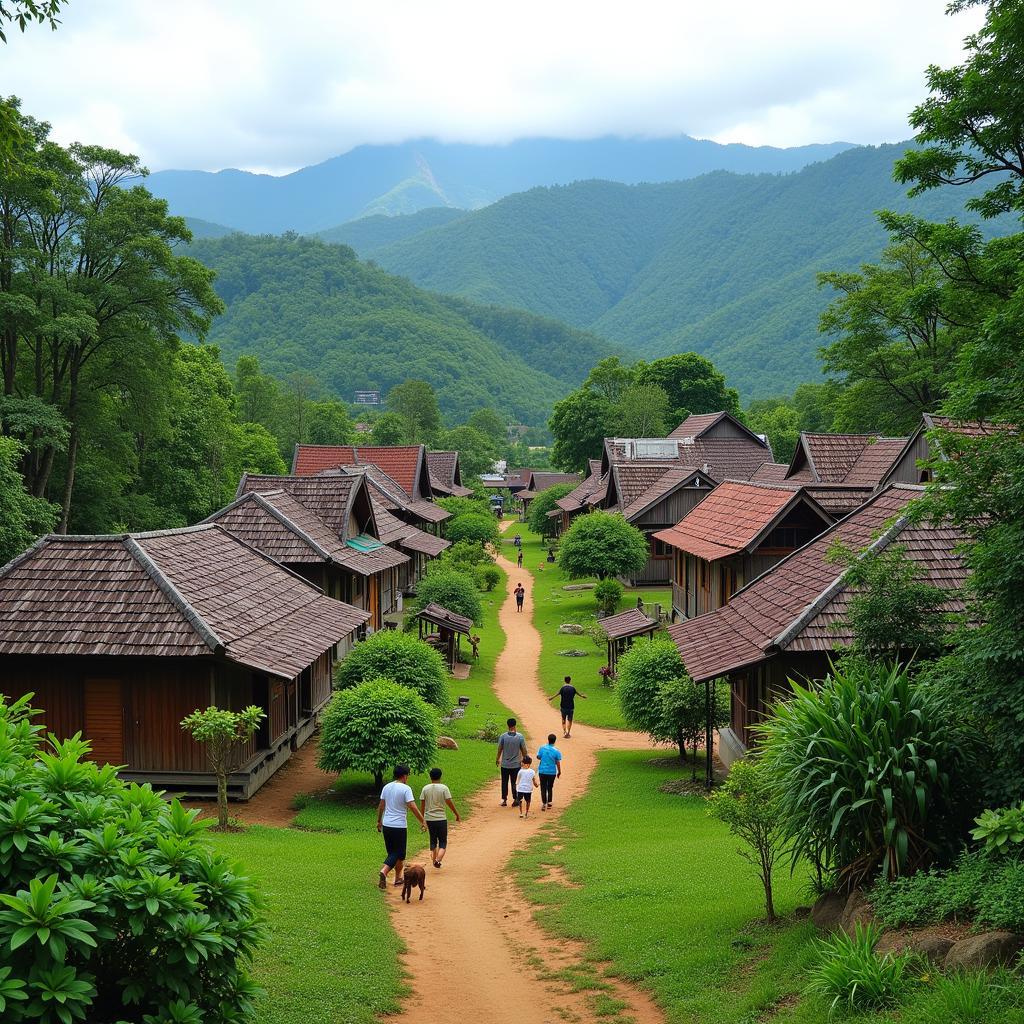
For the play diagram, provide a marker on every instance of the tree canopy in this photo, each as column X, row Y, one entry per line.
column 602, row 544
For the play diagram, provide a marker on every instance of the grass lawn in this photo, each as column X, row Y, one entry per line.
column 664, row 896
column 553, row 606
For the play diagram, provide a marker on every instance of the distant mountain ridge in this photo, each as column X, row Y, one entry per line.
column 411, row 176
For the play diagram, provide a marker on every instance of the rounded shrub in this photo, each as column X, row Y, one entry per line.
column 376, row 725
column 602, row 544
column 456, row 591
column 642, row 671
column 114, row 905
column 488, row 576
column 402, row 658
column 608, row 594
column 474, row 526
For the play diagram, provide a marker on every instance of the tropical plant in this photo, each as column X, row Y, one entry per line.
column 748, row 804
column 602, row 544
column 223, row 733
column 608, row 594
column 400, row 657
column 454, row 590
column 376, row 725
column 865, row 765
column 850, row 975
column 488, row 576
column 537, row 518
column 479, row 527
column 1000, row 831
column 114, row 906
column 642, row 671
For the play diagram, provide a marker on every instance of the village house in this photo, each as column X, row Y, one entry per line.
column 920, row 448
column 788, row 622
column 120, row 637
column 740, row 530
column 538, row 480
column 446, row 475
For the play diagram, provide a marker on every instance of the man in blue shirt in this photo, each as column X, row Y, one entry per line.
column 549, row 768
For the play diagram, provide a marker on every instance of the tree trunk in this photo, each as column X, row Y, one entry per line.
column 769, row 902
column 378, row 779
column 681, row 742
column 693, row 765
column 69, row 478
column 222, row 798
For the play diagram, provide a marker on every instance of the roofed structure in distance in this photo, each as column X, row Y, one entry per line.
column 446, row 474
column 722, row 458
column 406, row 464
column 445, row 618
column 851, row 459
column 631, row 622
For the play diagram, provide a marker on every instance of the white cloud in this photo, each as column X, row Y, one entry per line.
column 250, row 83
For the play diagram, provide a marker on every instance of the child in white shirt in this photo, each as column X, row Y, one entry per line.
column 526, row 782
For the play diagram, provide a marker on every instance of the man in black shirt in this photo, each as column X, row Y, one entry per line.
column 567, row 694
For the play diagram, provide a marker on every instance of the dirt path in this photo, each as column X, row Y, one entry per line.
column 470, row 942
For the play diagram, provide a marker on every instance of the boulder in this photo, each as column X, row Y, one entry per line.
column 985, row 950
column 447, row 743
column 572, row 628
column 573, row 652
column 579, row 586
column 927, row 942
column 827, row 910
column 856, row 912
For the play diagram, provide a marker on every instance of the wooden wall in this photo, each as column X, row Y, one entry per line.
column 906, row 471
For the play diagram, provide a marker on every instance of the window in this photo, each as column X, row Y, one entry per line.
column 787, row 537
column 659, row 549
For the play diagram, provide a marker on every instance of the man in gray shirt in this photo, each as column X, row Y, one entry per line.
column 511, row 751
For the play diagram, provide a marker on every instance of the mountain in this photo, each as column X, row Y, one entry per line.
column 206, row 229
column 411, row 176
column 369, row 233
column 723, row 264
column 302, row 305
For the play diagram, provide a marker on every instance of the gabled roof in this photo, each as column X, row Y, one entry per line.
column 836, row 499
column 198, row 591
column 329, row 496
column 446, row 475
column 855, row 459
column 699, row 424
column 541, row 479
column 578, row 496
column 968, row 429
column 405, row 464
column 723, row 458
column 770, row 472
column 632, row 622
column 389, row 493
column 444, row 617
column 799, row 604
column 735, row 517
column 672, row 478
column 410, row 538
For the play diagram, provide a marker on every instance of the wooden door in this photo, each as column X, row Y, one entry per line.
column 104, row 720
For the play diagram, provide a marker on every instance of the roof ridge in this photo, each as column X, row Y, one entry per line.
column 171, row 592
column 288, row 523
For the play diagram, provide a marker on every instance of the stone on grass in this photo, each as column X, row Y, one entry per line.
column 827, row 910
column 926, row 942
column 573, row 652
column 579, row 586
column 989, row 949
column 856, row 912
column 572, row 628
column 447, row 743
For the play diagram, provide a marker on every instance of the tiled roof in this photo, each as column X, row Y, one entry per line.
column 401, row 462
column 836, row 499
column 443, row 466
column 730, row 519
column 578, row 496
column 673, row 477
column 541, row 480
column 628, row 623
column 976, row 428
column 875, row 461
column 795, row 604
column 328, row 496
column 726, row 458
column 632, row 479
column 398, row 534
column 695, row 424
column 770, row 472
column 197, row 591
column 856, row 459
column 442, row 616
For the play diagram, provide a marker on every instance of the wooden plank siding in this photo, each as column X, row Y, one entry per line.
column 906, row 470
column 665, row 513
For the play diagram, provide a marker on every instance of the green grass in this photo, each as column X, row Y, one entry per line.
column 553, row 605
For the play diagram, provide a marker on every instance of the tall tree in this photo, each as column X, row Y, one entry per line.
column 692, row 384
column 22, row 517
column 579, row 423
column 477, row 451
column 416, row 403
column 641, row 411
column 491, row 423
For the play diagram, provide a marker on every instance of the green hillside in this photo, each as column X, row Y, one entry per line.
column 299, row 304
column 369, row 233
column 723, row 264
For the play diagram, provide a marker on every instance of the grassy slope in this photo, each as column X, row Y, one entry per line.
column 552, row 607
column 332, row 956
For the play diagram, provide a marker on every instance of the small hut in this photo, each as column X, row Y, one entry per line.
column 443, row 630
column 623, row 629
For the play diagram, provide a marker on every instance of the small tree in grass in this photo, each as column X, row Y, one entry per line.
column 747, row 804
column 223, row 734
column 643, row 669
column 608, row 594
column 537, row 518
column 602, row 544
column 402, row 658
column 374, row 726
column 684, row 713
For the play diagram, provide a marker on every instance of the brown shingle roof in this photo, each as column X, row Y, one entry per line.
column 698, row 424
column 328, row 496
column 854, row 459
column 673, row 477
column 442, row 616
column 197, row 591
column 726, row 458
column 837, row 499
column 632, row 622
column 398, row 534
column 400, row 462
column 781, row 609
column 770, row 472
column 541, row 480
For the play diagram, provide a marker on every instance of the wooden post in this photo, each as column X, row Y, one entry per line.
column 709, row 764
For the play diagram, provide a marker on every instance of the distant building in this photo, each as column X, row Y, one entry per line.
column 367, row 398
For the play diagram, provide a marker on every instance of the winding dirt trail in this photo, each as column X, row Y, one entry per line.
column 471, row 941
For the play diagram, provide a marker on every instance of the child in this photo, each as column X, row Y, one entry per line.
column 519, row 559
column 434, row 799
column 526, row 783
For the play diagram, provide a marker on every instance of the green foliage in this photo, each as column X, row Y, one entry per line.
column 477, row 451
column 96, row 875
column 691, row 385
column 537, row 518
column 475, row 527
column 376, row 725
column 851, row 977
column 643, row 669
column 492, row 425
column 487, row 576
column 463, row 556
column 579, row 424
column 390, row 429
column 602, row 544
column 24, row 12
column 403, row 659
column 22, row 517
column 748, row 805
column 642, row 411
column 1000, row 831
column 416, row 403
column 683, row 706
column 608, row 595
column 454, row 590
column 779, row 421
column 868, row 765
column 456, row 506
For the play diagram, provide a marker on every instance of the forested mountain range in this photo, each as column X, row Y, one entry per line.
column 302, row 305
column 415, row 175
column 723, row 264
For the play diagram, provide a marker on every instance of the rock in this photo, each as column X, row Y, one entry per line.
column 579, row 586
column 447, row 743
column 573, row 652
column 572, row 628
column 827, row 910
column 856, row 912
column 926, row 942
column 985, row 950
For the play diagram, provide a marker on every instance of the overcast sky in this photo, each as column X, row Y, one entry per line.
column 275, row 86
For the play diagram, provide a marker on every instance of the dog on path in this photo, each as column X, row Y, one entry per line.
column 414, row 875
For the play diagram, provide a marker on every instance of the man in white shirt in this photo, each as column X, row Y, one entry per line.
column 396, row 800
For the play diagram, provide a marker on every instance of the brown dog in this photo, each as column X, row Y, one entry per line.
column 414, row 875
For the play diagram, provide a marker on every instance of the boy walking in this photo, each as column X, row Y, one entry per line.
column 520, row 593
column 435, row 798
column 567, row 695
column 511, row 752
column 519, row 559
column 396, row 800
column 526, row 783
column 549, row 768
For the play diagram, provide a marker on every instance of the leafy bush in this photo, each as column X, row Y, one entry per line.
column 114, row 905
column 1000, row 831
column 456, row 591
column 462, row 556
column 602, row 544
column 376, row 725
column 608, row 594
column 851, row 977
column 537, row 518
column 642, row 670
column 481, row 527
column 459, row 506
column 683, row 707
column 865, row 763
column 402, row 658
column 966, row 997
column 487, row 577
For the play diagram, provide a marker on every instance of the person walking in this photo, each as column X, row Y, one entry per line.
column 435, row 799
column 518, row 541
column 520, row 593
column 396, row 800
column 549, row 767
column 567, row 695
column 519, row 559
column 526, row 783
column 511, row 751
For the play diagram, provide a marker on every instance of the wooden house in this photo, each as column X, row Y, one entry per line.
column 446, row 475
column 582, row 498
column 538, row 480
column 923, row 446
column 790, row 620
column 622, row 629
column 120, row 637
column 737, row 532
